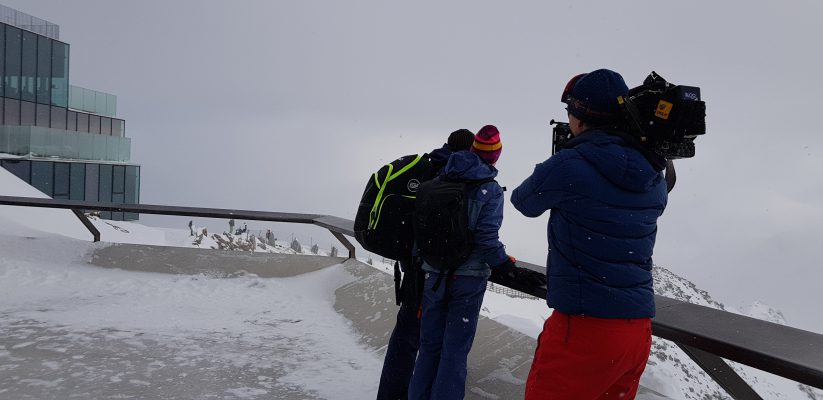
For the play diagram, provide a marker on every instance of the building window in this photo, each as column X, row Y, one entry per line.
column 132, row 190
column 27, row 115
column 43, row 70
column 12, row 112
column 117, row 127
column 94, row 123
column 62, row 178
column 58, row 118
column 71, row 120
column 105, row 126
column 59, row 74
column 29, row 67
column 42, row 115
column 14, row 38
column 82, row 122
column 77, row 182
column 105, row 187
column 42, row 176
column 2, row 62
column 92, row 182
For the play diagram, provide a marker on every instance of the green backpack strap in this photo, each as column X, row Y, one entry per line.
column 374, row 215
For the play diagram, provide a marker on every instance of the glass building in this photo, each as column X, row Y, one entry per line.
column 62, row 139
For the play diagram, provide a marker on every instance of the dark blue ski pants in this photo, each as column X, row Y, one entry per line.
column 448, row 326
column 405, row 339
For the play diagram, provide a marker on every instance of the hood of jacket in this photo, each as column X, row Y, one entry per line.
column 440, row 156
column 613, row 158
column 467, row 166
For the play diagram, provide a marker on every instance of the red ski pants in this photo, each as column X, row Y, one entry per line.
column 586, row 358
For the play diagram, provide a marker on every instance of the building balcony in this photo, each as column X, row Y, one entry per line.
column 39, row 141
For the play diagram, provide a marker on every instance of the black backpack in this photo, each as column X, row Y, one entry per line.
column 441, row 223
column 383, row 224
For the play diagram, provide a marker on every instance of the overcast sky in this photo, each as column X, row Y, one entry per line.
column 290, row 105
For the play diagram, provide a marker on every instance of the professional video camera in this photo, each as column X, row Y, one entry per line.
column 663, row 117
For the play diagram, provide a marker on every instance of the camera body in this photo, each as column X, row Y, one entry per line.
column 561, row 133
column 663, row 118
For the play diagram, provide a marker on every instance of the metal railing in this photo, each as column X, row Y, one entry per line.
column 705, row 334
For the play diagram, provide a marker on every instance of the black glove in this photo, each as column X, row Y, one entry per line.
column 505, row 271
column 518, row 278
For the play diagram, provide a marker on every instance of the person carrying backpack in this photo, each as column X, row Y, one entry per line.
column 404, row 341
column 453, row 294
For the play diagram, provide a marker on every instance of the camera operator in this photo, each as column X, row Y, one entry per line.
column 606, row 193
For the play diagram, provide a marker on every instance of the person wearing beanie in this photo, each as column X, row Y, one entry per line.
column 487, row 144
column 450, row 313
column 404, row 341
column 605, row 197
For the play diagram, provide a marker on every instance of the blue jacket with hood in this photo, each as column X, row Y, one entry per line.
column 605, row 199
column 485, row 213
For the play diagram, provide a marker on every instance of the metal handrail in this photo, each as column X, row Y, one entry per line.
column 704, row 333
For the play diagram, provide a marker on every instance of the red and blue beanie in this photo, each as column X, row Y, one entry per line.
column 487, row 144
column 592, row 97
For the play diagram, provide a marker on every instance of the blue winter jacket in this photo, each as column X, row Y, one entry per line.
column 605, row 199
column 485, row 213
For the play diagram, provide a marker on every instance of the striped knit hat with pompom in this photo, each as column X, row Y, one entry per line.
column 487, row 144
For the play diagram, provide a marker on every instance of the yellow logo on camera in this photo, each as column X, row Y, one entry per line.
column 663, row 109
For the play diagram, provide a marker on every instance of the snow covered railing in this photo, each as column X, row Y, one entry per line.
column 704, row 333
column 337, row 226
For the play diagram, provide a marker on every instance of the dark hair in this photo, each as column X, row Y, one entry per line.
column 460, row 140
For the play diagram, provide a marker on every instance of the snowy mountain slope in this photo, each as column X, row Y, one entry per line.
column 671, row 371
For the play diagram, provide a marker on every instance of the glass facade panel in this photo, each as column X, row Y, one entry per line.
column 43, row 70
column 2, row 105
column 118, row 189
column 105, row 187
column 94, row 124
column 28, row 72
column 105, row 126
column 58, row 118
column 61, row 180
column 42, row 176
column 82, row 122
column 11, row 79
column 117, row 127
column 27, row 113
column 111, row 104
column 20, row 168
column 92, row 181
column 77, row 184
column 132, row 189
column 3, row 61
column 60, row 74
column 71, row 121
column 42, row 115
column 88, row 100
column 100, row 102
column 11, row 116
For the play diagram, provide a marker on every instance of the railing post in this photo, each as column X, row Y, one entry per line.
column 722, row 373
column 345, row 242
column 85, row 220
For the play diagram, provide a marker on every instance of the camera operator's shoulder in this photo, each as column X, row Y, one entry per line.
column 560, row 164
